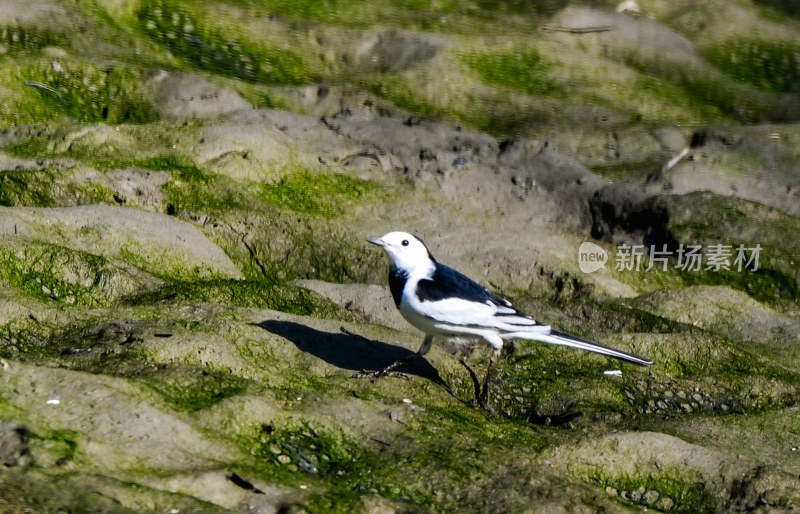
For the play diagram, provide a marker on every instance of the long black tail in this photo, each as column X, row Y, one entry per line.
column 564, row 339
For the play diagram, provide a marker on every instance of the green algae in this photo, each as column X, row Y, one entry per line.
column 327, row 11
column 686, row 494
column 524, row 70
column 54, row 447
column 782, row 8
column 421, row 473
column 309, row 455
column 754, row 242
column 180, row 166
column 191, row 390
column 144, row 146
column 49, row 188
column 305, row 450
column 500, row 118
column 63, row 275
column 708, row 94
column 709, row 219
column 64, row 490
column 442, row 15
column 446, row 458
column 317, row 193
column 402, row 92
column 26, row 188
column 627, row 172
column 263, row 293
column 770, row 65
column 204, row 192
column 84, row 344
column 167, row 266
column 300, row 208
column 49, row 493
column 191, row 36
column 88, row 92
column 18, row 39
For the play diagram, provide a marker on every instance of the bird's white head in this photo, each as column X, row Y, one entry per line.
column 405, row 252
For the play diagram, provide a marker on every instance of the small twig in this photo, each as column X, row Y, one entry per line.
column 224, row 155
column 39, row 85
column 382, row 160
column 578, row 30
column 250, row 250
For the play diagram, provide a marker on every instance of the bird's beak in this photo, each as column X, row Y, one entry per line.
column 377, row 241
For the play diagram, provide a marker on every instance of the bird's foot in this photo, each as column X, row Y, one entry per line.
column 481, row 399
column 475, row 382
column 374, row 375
column 480, row 402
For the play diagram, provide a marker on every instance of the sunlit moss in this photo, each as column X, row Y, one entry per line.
column 264, row 293
column 685, row 494
column 187, row 33
column 328, row 11
column 181, row 167
column 678, row 82
column 191, row 390
column 768, row 65
column 317, row 193
column 709, row 219
column 306, row 450
column 440, row 15
column 16, row 39
column 55, row 446
column 112, row 94
column 63, row 275
column 523, row 70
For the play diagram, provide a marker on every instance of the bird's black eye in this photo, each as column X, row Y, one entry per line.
column 405, row 242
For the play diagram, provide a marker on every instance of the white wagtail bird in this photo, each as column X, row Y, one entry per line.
column 442, row 302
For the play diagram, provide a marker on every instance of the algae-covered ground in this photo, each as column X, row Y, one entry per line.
column 186, row 294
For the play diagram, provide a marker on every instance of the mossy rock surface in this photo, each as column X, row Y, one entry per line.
column 187, row 297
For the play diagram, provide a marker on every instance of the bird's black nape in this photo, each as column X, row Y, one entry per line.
column 426, row 247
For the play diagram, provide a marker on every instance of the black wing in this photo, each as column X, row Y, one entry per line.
column 449, row 283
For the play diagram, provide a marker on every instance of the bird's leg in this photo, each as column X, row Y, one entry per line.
column 483, row 397
column 388, row 370
column 475, row 383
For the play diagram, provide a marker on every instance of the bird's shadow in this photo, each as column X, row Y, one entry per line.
column 350, row 351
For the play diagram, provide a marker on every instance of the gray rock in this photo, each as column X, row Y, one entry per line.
column 13, row 444
column 391, row 50
column 138, row 187
column 111, row 231
column 618, row 31
column 184, row 96
column 372, row 302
